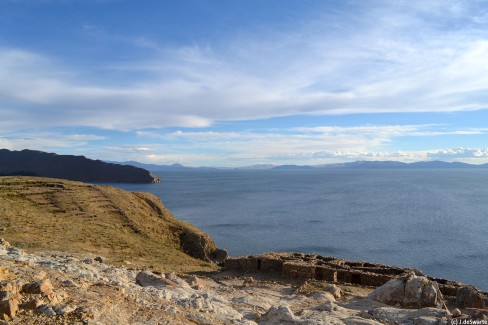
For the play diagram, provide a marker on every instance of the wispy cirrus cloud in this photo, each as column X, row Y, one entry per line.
column 48, row 141
column 380, row 57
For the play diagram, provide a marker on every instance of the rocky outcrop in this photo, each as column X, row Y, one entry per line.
column 198, row 244
column 62, row 288
column 409, row 291
column 278, row 315
column 75, row 168
column 469, row 297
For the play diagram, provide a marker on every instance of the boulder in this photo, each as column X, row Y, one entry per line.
column 46, row 310
column 196, row 283
column 456, row 313
column 10, row 289
column 414, row 286
column 278, row 315
column 32, row 303
column 43, row 287
column 69, row 283
column 64, row 309
column 469, row 297
column 334, row 290
column 8, row 308
column 149, row 279
column 431, row 296
column 409, row 291
column 100, row 259
column 391, row 293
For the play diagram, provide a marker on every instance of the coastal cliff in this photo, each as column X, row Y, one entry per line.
column 75, row 168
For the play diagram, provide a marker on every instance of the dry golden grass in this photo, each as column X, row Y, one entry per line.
column 58, row 215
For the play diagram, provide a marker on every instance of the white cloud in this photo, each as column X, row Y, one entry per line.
column 476, row 153
column 83, row 137
column 306, row 145
column 295, row 145
column 395, row 155
column 376, row 130
column 48, row 141
column 386, row 57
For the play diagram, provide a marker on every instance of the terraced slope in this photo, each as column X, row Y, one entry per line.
column 127, row 228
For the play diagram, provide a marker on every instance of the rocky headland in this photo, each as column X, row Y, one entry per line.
column 75, row 253
column 75, row 168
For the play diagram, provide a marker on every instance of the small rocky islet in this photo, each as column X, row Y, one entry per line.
column 50, row 275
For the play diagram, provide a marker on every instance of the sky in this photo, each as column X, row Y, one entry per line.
column 244, row 82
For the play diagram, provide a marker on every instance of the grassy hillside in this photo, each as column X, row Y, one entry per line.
column 53, row 214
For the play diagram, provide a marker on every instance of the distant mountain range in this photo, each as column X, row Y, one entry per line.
column 156, row 168
column 75, row 168
column 347, row 165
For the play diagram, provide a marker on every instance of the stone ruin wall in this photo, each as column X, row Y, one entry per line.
column 308, row 267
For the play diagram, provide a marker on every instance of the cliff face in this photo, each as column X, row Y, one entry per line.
column 136, row 228
column 75, row 168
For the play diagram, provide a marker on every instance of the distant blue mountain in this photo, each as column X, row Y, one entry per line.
column 257, row 167
column 368, row 165
column 156, row 168
column 348, row 165
column 294, row 167
column 443, row 164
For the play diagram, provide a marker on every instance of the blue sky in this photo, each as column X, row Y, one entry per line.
column 236, row 83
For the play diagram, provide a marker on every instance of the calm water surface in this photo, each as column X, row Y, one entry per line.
column 434, row 220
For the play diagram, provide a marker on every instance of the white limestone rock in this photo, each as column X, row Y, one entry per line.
column 278, row 315
column 409, row 291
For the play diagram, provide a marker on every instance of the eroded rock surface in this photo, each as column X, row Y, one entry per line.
column 60, row 288
column 409, row 291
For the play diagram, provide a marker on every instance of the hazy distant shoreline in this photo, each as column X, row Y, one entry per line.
column 347, row 165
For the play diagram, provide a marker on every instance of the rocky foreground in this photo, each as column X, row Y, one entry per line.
column 61, row 288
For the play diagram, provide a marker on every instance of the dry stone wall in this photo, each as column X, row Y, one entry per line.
column 311, row 266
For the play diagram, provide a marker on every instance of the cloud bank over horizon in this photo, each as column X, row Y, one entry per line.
column 370, row 80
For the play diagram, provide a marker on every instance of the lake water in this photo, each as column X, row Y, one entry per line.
column 433, row 220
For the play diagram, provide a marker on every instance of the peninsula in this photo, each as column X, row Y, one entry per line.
column 75, row 168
